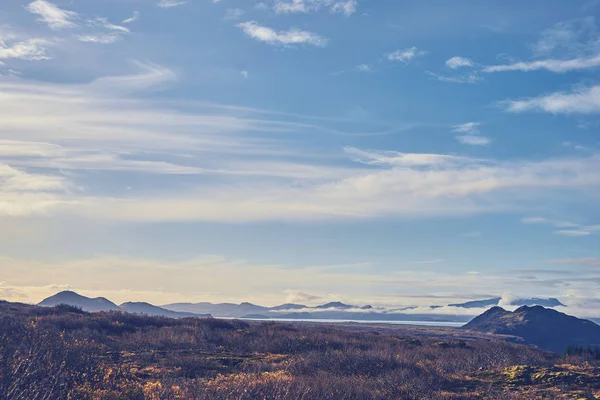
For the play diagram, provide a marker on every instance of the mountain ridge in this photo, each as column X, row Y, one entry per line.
column 99, row 304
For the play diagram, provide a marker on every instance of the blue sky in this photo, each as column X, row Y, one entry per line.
column 394, row 153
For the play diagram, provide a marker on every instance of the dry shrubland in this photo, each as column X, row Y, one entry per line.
column 64, row 353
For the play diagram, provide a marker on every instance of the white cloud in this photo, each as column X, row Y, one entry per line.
column 559, row 66
column 406, row 55
column 474, row 140
column 459, row 62
column 103, row 22
column 472, row 134
column 394, row 158
column 30, row 49
column 346, row 7
column 580, row 101
column 149, row 76
column 53, row 16
column 470, row 128
column 101, row 126
column 569, row 38
column 364, row 68
column 291, row 37
column 133, row 18
column 573, row 232
column 105, row 38
column 542, row 220
column 245, row 74
column 568, row 46
column 554, row 222
column 23, row 193
column 471, row 78
column 170, row 3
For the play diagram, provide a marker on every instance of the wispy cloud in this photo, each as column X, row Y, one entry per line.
column 549, row 221
column 472, row 128
column 459, row 62
column 105, row 38
column 29, row 49
column 472, row 234
column 133, row 18
column 53, row 16
column 579, row 101
column 170, row 3
column 568, row 39
column 568, row 46
column 286, row 38
column 560, row 66
column 346, row 7
column 108, row 125
column 364, row 68
column 232, row 14
column 471, row 137
column 573, row 232
column 568, row 228
column 405, row 56
column 394, row 158
column 474, row 140
column 471, row 78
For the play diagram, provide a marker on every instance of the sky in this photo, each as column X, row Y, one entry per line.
column 373, row 152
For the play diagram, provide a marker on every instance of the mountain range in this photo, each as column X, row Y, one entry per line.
column 551, row 302
column 329, row 311
column 546, row 328
column 102, row 304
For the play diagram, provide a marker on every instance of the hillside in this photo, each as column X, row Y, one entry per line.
column 543, row 327
column 77, row 300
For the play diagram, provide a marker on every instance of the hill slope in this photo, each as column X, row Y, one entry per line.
column 543, row 327
column 77, row 300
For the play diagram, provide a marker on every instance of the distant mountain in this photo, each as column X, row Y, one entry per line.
column 77, row 300
column 551, row 302
column 336, row 304
column 149, row 309
column 227, row 310
column 478, row 303
column 288, row 306
column 543, row 327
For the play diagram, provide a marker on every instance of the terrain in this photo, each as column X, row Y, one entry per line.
column 544, row 327
column 64, row 352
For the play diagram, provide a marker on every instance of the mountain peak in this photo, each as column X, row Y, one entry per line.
column 335, row 304
column 75, row 299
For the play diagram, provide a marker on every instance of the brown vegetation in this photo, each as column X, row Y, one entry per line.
column 64, row 353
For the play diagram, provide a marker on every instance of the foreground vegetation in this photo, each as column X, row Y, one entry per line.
column 64, row 353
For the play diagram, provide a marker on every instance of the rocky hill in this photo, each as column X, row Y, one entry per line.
column 543, row 327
